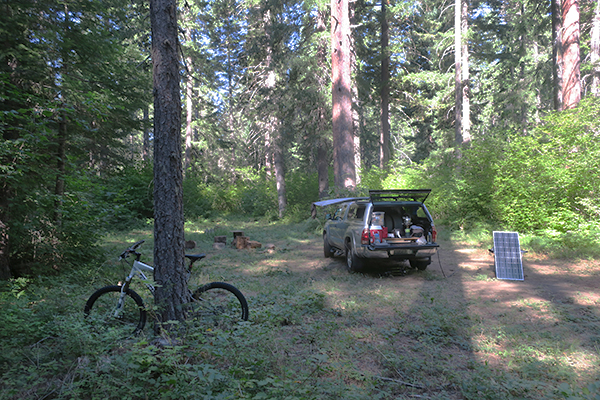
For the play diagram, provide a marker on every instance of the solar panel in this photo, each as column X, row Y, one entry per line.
column 507, row 255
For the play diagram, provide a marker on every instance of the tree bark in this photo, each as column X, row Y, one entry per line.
column 146, row 138
column 595, row 51
column 59, row 188
column 571, row 58
column 189, row 106
column 458, row 72
column 169, row 252
column 465, row 84
column 5, row 272
column 322, row 169
column 321, row 143
column 279, row 176
column 557, row 54
column 384, row 144
column 343, row 137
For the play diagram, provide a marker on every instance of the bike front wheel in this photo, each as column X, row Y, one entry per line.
column 219, row 305
column 103, row 311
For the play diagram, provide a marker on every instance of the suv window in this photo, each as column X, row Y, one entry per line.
column 340, row 212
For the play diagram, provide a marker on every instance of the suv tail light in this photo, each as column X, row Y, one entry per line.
column 433, row 233
column 364, row 237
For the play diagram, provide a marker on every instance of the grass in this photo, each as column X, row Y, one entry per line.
column 315, row 332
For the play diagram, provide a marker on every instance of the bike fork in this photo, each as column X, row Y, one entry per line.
column 122, row 296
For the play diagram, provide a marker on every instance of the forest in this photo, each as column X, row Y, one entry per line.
column 492, row 104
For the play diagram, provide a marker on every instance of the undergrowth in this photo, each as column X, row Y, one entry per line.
column 315, row 332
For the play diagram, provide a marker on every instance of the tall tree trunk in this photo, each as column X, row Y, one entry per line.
column 343, row 137
column 571, row 57
column 189, row 108
column 321, row 123
column 5, row 272
column 169, row 253
column 279, row 175
column 355, row 103
column 59, row 188
column 273, row 127
column 189, row 105
column 384, row 144
column 557, row 54
column 465, row 84
column 595, row 51
column 146, row 138
column 458, row 94
column 322, row 169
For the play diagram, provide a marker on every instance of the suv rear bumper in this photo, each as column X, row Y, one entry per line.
column 385, row 250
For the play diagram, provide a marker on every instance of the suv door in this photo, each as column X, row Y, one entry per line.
column 337, row 227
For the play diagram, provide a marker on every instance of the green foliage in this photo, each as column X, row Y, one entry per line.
column 196, row 200
column 315, row 331
column 589, row 392
column 252, row 194
column 549, row 180
column 126, row 196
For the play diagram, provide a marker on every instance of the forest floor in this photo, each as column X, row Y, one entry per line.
column 455, row 325
column 317, row 331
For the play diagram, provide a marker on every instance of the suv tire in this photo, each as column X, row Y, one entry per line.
column 420, row 264
column 353, row 263
column 326, row 247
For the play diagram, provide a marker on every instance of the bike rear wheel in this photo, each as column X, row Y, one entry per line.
column 218, row 305
column 101, row 310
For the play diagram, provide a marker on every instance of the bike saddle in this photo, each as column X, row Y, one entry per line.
column 195, row 257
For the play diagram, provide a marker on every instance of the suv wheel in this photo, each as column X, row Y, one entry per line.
column 353, row 263
column 326, row 247
column 420, row 264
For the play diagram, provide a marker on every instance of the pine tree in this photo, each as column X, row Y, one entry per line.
column 169, row 252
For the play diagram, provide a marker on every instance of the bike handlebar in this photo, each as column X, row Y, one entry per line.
column 131, row 249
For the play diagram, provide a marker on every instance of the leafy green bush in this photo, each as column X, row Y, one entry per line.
column 196, row 198
column 126, row 196
column 549, row 179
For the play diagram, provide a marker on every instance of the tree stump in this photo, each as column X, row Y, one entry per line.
column 221, row 239
column 253, row 244
column 240, row 242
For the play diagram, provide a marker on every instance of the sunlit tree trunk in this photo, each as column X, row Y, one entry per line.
column 321, row 143
column 146, row 138
column 189, row 97
column 273, row 126
column 595, row 51
column 322, row 169
column 356, row 115
column 465, row 84
column 571, row 59
column 189, row 133
column 343, row 136
column 169, row 253
column 384, row 143
column 458, row 94
column 279, row 176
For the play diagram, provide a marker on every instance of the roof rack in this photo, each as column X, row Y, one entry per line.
column 399, row 195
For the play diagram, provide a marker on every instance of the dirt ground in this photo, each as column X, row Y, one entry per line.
column 473, row 268
column 545, row 279
column 465, row 277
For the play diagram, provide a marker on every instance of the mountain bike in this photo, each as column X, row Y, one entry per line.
column 217, row 304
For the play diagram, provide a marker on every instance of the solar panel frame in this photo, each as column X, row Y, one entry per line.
column 507, row 256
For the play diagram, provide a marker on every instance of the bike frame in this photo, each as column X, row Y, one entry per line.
column 137, row 269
